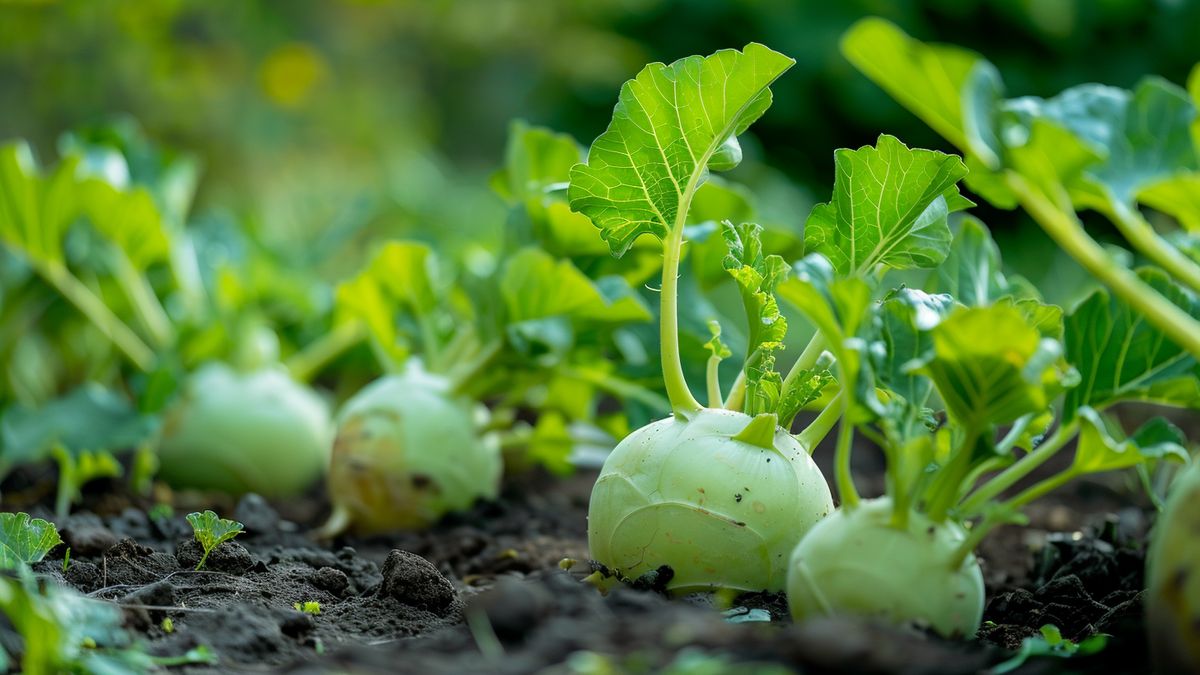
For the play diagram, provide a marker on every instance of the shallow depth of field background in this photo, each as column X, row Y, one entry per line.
column 328, row 126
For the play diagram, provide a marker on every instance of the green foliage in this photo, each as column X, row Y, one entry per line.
column 1122, row 357
column 642, row 173
column 89, row 419
column 1050, row 643
column 308, row 607
column 211, row 531
column 890, row 206
column 991, row 367
column 1103, row 448
column 25, row 540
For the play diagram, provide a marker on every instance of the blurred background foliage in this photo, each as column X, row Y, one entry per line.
column 326, row 126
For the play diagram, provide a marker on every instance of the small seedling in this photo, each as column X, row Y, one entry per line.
column 161, row 512
column 211, row 531
column 25, row 540
column 168, row 625
column 1050, row 643
column 67, row 560
column 308, row 607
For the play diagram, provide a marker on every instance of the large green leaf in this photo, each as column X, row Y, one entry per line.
column 1177, row 196
column 890, row 205
column 1103, row 446
column 35, row 210
column 972, row 272
column 670, row 126
column 401, row 279
column 1122, row 357
column 836, row 305
column 906, row 319
column 130, row 220
column 537, row 286
column 90, row 418
column 1141, row 137
column 536, row 160
column 991, row 367
column 24, row 541
column 951, row 89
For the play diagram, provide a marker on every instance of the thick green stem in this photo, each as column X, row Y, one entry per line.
column 1143, row 237
column 91, row 306
column 145, row 303
column 712, row 377
column 972, row 541
column 680, row 396
column 845, row 441
column 1005, row 479
column 1069, row 234
column 820, row 427
column 306, row 363
column 807, row 359
column 947, row 486
column 1040, row 488
column 737, row 393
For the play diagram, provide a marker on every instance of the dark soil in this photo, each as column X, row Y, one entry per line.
column 487, row 592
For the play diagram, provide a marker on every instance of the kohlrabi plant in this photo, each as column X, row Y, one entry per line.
column 210, row 531
column 1091, row 147
column 719, row 493
column 224, row 427
column 110, row 241
column 1172, row 579
column 952, row 384
column 419, row 443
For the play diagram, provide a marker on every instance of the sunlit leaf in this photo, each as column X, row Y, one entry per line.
column 1122, row 357
column 1104, row 447
column 90, row 418
column 25, row 540
column 669, row 124
column 890, row 205
column 536, row 286
column 951, row 89
column 991, row 367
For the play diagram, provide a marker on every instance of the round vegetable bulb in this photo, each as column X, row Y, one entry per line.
column 407, row 452
column 236, row 432
column 1173, row 578
column 722, row 512
column 858, row 562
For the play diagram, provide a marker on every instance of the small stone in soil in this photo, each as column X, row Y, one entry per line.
column 256, row 514
column 87, row 536
column 330, row 579
column 414, row 581
column 161, row 594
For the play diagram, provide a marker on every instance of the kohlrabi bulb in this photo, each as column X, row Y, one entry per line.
column 723, row 513
column 407, row 452
column 245, row 432
column 1173, row 578
column 857, row 562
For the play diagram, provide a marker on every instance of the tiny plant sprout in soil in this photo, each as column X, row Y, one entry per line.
column 613, row 444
